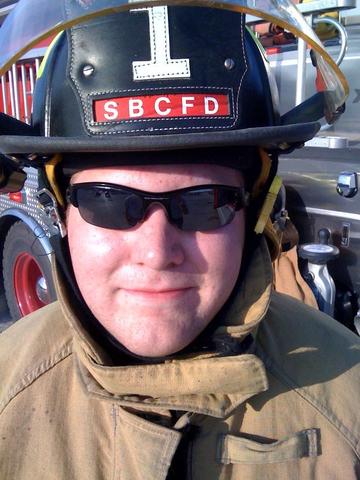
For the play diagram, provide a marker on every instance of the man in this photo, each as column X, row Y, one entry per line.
column 168, row 355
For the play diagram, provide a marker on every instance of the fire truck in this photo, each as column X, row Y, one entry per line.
column 321, row 179
column 24, row 228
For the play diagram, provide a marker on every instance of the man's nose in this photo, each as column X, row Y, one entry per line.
column 162, row 244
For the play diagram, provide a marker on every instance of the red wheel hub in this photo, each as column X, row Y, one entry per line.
column 27, row 275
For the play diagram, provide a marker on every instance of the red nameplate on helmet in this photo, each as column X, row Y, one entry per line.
column 180, row 105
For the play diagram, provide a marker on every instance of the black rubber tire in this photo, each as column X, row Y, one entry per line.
column 20, row 239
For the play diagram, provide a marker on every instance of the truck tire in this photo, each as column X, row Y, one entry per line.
column 27, row 272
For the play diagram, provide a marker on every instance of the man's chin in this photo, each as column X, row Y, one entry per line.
column 155, row 337
column 157, row 351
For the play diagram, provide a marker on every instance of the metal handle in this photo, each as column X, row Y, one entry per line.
column 343, row 46
column 342, row 32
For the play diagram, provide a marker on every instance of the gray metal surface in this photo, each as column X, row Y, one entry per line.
column 301, row 72
column 311, row 176
column 325, row 285
column 343, row 38
column 323, row 6
column 32, row 206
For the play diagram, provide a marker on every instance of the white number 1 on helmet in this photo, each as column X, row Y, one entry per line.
column 160, row 66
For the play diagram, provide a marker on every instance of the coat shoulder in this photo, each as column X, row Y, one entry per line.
column 30, row 347
column 317, row 357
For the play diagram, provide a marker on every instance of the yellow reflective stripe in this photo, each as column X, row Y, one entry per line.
column 264, row 173
column 46, row 56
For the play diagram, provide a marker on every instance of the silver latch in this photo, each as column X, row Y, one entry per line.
column 49, row 203
column 347, row 184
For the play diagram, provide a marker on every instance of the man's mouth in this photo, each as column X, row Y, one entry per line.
column 155, row 294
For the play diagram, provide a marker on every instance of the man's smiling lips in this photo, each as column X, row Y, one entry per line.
column 153, row 294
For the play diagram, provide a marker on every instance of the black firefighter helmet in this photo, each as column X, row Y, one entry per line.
column 159, row 78
column 127, row 77
column 127, row 83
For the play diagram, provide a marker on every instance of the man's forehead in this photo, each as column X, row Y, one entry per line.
column 157, row 177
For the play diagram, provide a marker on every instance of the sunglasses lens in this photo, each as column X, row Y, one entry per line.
column 109, row 208
column 197, row 209
column 202, row 210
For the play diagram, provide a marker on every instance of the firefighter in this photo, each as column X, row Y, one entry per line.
column 168, row 355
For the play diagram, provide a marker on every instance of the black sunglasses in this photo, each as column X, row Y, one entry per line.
column 198, row 208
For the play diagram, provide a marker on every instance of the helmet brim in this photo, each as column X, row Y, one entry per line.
column 278, row 138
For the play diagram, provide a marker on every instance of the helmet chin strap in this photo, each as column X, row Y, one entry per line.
column 270, row 183
column 268, row 205
column 50, row 171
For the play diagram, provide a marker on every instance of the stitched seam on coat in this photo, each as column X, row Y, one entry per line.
column 163, row 405
column 322, row 409
column 114, row 414
column 357, row 449
column 168, row 406
column 35, row 373
column 150, row 406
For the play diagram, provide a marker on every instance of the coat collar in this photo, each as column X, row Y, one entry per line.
column 202, row 383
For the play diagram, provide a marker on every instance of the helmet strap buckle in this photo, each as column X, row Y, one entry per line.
column 50, row 205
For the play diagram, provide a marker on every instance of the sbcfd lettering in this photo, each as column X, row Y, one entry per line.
column 161, row 106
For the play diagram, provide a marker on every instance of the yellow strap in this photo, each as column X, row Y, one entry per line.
column 268, row 204
column 273, row 240
column 51, row 177
column 264, row 173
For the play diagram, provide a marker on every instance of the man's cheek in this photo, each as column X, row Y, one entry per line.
column 99, row 244
column 89, row 240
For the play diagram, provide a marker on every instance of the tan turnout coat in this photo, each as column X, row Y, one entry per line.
column 290, row 409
